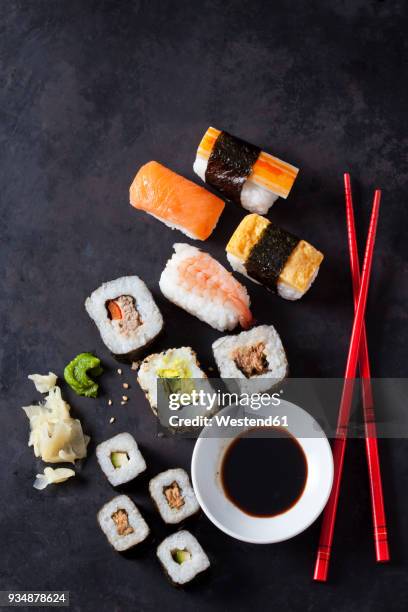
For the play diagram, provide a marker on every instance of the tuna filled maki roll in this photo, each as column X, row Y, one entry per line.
column 196, row 282
column 126, row 316
column 242, row 172
column 120, row 459
column 173, row 495
column 122, row 523
column 182, row 557
column 255, row 359
column 269, row 255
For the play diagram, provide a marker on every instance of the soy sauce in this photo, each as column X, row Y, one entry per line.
column 264, row 471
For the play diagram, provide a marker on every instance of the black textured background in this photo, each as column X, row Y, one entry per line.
column 91, row 90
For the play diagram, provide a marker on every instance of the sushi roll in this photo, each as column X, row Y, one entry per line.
column 122, row 523
column 242, row 172
column 255, row 359
column 175, row 201
column 126, row 316
column 120, row 459
column 182, row 557
column 173, row 495
column 177, row 369
column 273, row 257
column 198, row 283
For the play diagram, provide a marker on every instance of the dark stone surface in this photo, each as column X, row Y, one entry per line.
column 89, row 92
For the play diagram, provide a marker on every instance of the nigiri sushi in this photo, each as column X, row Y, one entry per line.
column 269, row 255
column 176, row 201
column 242, row 172
column 196, row 282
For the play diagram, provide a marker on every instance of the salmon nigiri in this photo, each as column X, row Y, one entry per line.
column 176, row 201
column 196, row 282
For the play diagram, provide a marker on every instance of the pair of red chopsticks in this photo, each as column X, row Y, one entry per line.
column 358, row 353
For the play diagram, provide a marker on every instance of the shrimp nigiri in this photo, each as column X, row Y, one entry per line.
column 196, row 282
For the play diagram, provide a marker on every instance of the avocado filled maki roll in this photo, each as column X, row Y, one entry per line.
column 242, row 172
column 273, row 257
column 173, row 495
column 122, row 523
column 177, row 370
column 170, row 376
column 182, row 557
column 120, row 459
column 126, row 316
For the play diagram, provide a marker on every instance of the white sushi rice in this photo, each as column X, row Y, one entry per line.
column 238, row 266
column 184, row 572
column 152, row 320
column 254, row 197
column 121, row 443
column 221, row 316
column 283, row 290
column 224, row 349
column 174, row 226
column 147, row 374
column 157, row 488
column 290, row 293
column 200, row 167
column 136, row 522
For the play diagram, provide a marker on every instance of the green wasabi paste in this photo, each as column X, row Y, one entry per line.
column 79, row 371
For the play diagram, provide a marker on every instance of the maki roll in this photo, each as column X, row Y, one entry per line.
column 177, row 369
column 122, row 523
column 273, row 257
column 242, row 172
column 175, row 201
column 173, row 495
column 198, row 283
column 182, row 557
column 120, row 459
column 255, row 359
column 126, row 316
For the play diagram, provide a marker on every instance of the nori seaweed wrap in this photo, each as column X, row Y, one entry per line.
column 229, row 165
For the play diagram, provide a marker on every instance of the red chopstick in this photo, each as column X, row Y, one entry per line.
column 374, row 472
column 329, row 515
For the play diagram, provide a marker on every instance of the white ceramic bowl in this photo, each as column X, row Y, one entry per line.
column 205, row 470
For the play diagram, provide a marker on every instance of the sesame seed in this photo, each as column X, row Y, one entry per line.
column 119, row 371
column 112, row 420
column 122, row 403
column 125, row 398
column 109, row 402
column 125, row 385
